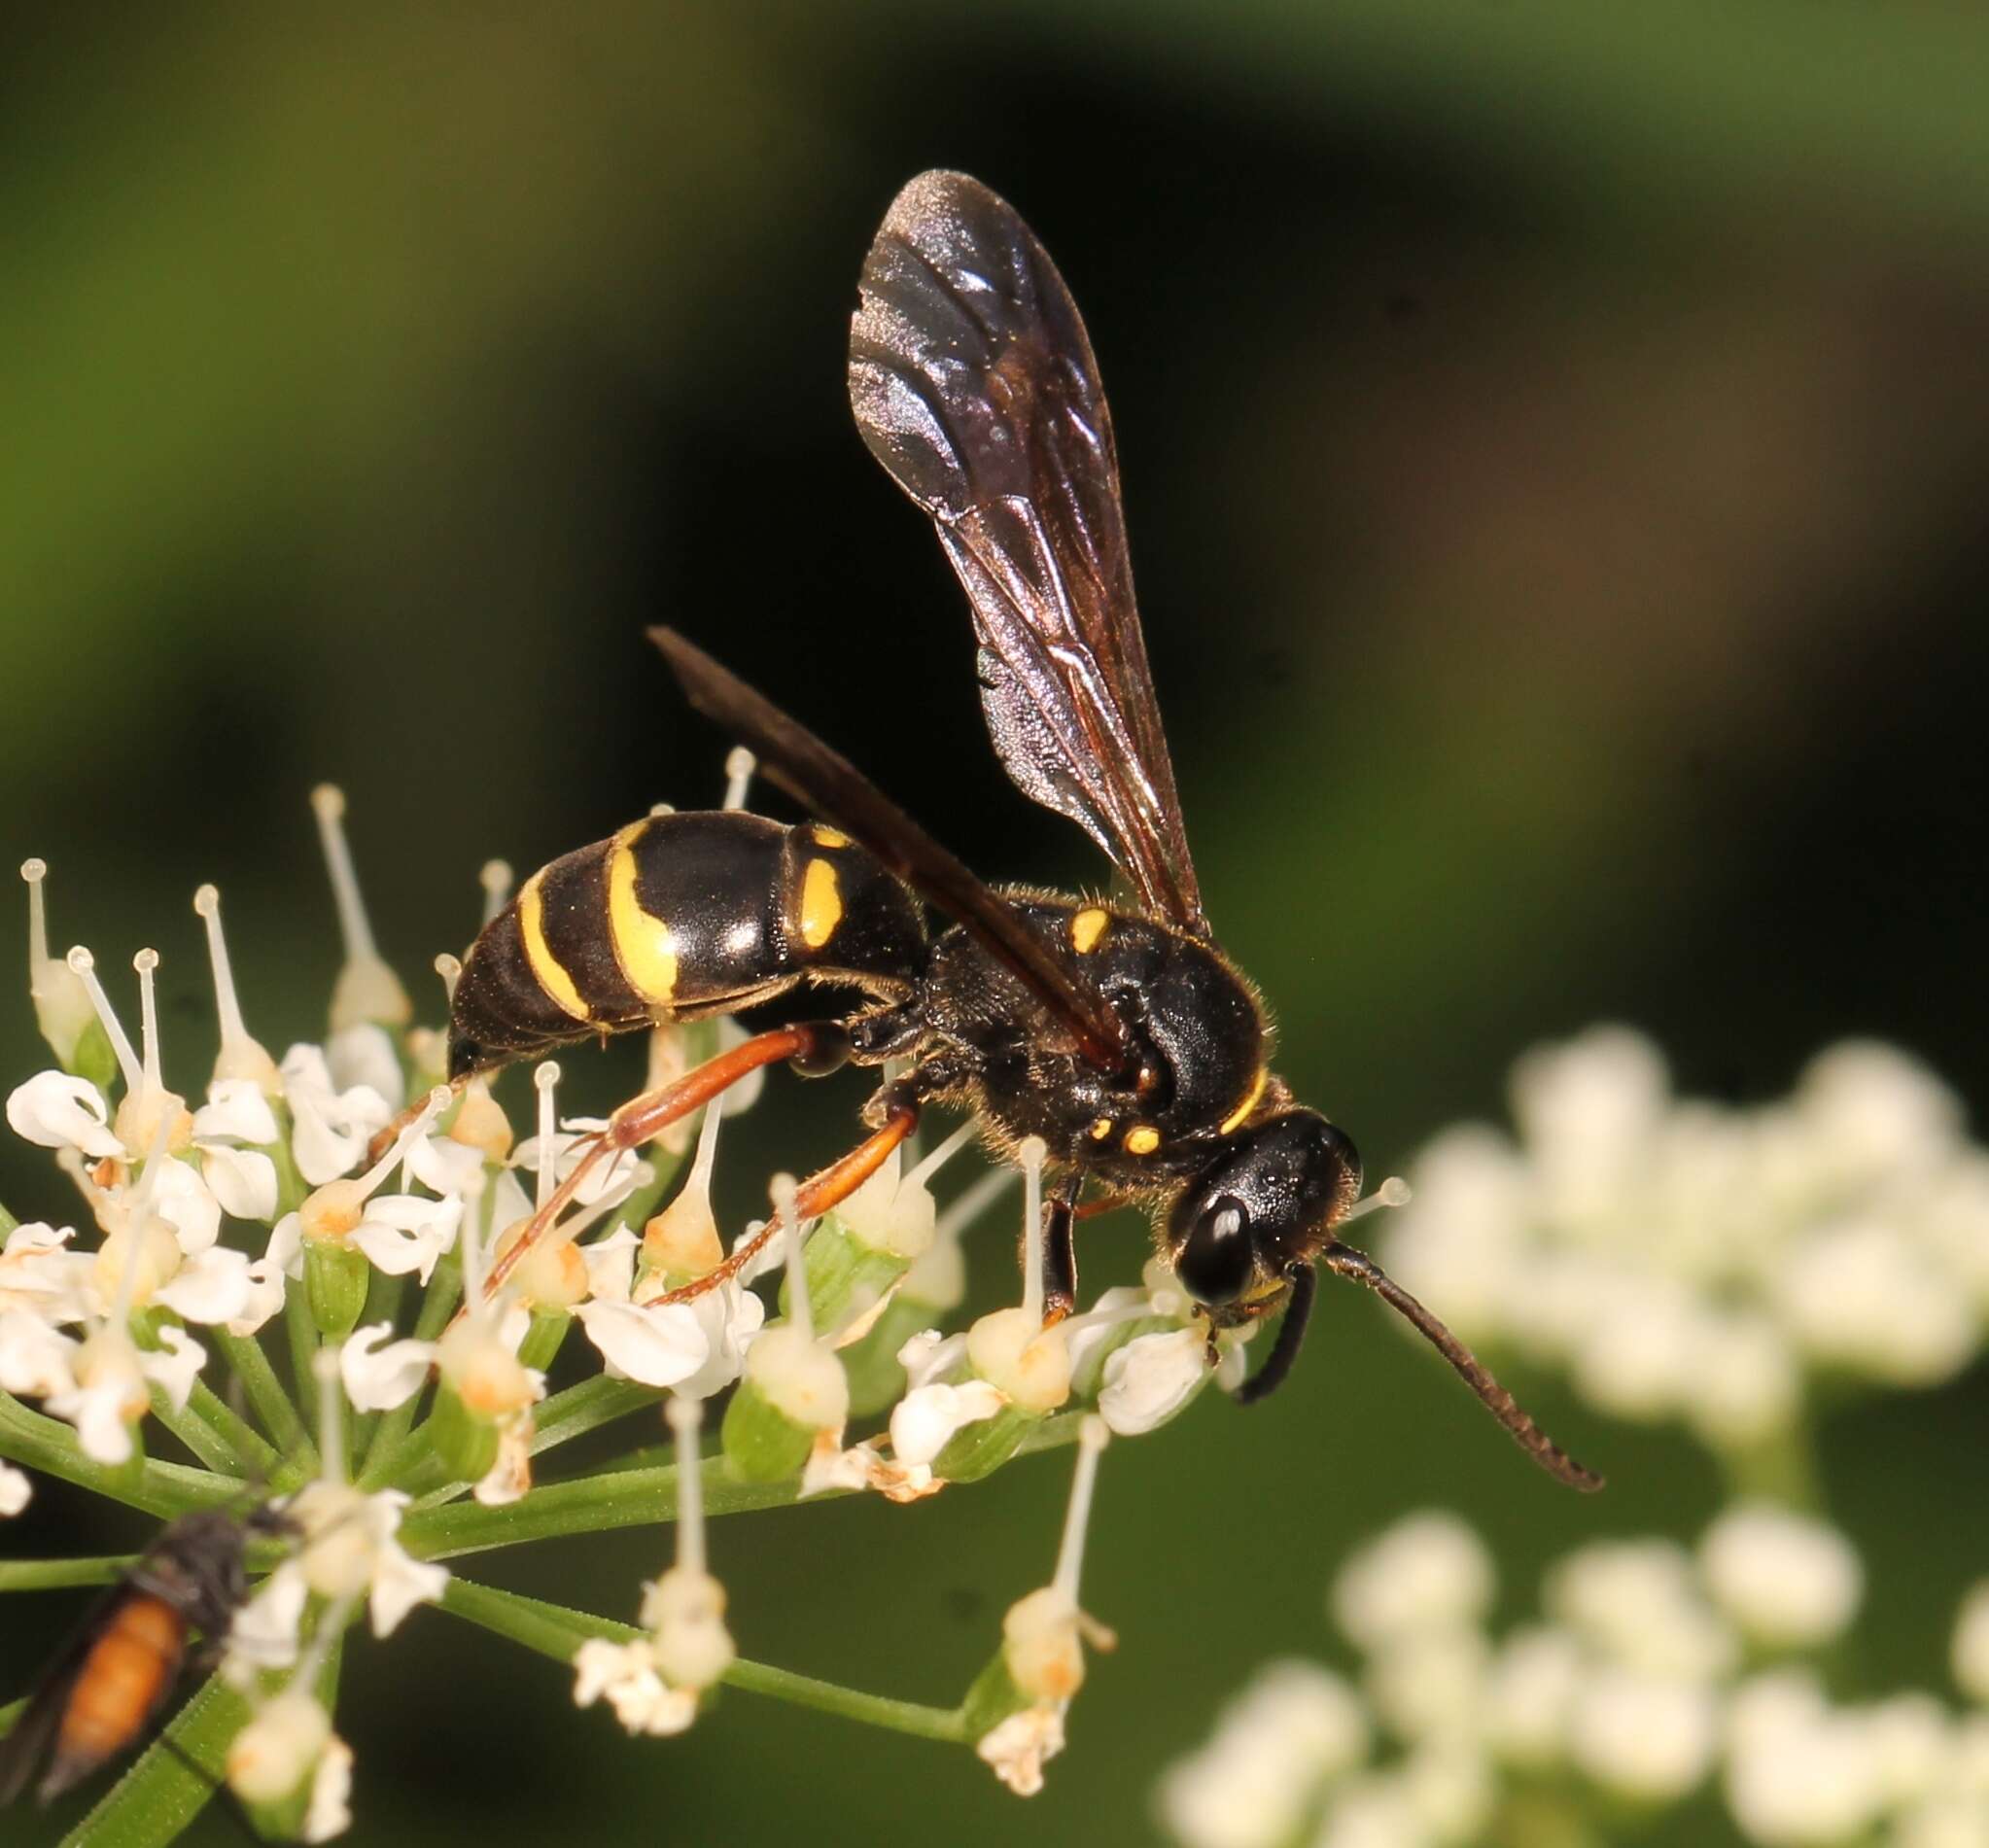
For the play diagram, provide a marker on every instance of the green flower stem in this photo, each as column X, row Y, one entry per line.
column 255, row 1457
column 1782, row 1468
column 49, row 1446
column 271, row 1403
column 557, row 1632
column 10, row 1715
column 54, row 1575
column 196, row 1434
column 303, row 1347
column 438, row 1305
column 626, row 1498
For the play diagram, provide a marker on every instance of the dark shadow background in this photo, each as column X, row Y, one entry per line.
column 1554, row 449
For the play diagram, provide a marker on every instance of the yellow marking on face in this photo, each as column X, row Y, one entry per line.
column 829, row 836
column 1102, row 1128
column 1087, row 928
column 643, row 943
column 545, row 968
column 822, row 903
column 1142, row 1140
column 1235, row 1117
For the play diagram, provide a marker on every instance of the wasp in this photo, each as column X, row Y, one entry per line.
column 104, row 1690
column 1117, row 1031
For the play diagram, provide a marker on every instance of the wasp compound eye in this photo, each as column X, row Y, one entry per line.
column 1213, row 1260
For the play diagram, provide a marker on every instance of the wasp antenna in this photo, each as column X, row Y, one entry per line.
column 1345, row 1261
column 1291, row 1336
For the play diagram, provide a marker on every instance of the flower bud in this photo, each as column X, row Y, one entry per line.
column 847, row 1278
column 480, row 1123
column 271, row 1758
column 793, row 1389
column 336, row 1278
column 1031, row 1363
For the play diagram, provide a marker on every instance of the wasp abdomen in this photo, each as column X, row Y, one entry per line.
column 130, row 1665
column 676, row 917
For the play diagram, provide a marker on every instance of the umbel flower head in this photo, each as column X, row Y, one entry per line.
column 303, row 1282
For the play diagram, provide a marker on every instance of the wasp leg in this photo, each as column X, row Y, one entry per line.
column 815, row 1195
column 1060, row 1253
column 815, row 1047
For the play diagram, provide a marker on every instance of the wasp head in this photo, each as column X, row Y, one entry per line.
column 1262, row 1210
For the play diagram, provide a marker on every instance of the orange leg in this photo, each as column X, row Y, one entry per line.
column 815, row 1195
column 650, row 1114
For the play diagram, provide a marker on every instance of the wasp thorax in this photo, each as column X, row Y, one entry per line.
column 1266, row 1203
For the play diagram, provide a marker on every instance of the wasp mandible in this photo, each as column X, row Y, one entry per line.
column 1117, row 1033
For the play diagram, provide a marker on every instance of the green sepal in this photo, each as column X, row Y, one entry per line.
column 761, row 1443
column 336, row 1278
column 993, row 1697
column 91, row 1056
column 846, row 1277
column 981, row 1449
column 875, row 1379
column 542, row 1339
column 467, row 1445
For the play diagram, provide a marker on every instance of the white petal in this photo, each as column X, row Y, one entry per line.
column 35, row 1360
column 400, row 1584
column 54, row 1110
column 658, row 1347
column 243, row 1180
column 612, row 1265
column 14, row 1491
column 236, row 1111
column 363, row 1057
column 731, row 1319
column 265, row 1299
column 330, row 1807
column 265, row 1632
column 176, row 1368
column 924, row 1421
column 286, row 1247
column 928, row 1356
column 380, row 1372
column 1018, row 1749
column 213, row 1286
column 187, row 1204
column 322, row 1148
column 1152, row 1378
column 509, row 1477
column 97, row 1411
column 446, row 1165
column 401, row 1233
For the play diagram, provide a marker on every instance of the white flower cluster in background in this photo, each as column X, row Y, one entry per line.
column 1687, row 1261
column 1651, row 1673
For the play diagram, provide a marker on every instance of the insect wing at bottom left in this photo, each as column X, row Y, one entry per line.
column 101, row 1694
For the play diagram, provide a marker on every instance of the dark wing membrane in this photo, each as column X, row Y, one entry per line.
column 834, row 788
column 974, row 384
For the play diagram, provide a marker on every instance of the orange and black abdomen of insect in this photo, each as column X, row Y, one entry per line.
column 676, row 918
column 131, row 1663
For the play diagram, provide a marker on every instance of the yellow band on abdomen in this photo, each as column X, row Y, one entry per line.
column 643, row 944
column 547, row 967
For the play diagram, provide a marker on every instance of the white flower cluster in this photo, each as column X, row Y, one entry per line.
column 1686, row 1261
column 1651, row 1671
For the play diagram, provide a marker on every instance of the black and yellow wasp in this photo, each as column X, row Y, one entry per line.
column 1118, row 1033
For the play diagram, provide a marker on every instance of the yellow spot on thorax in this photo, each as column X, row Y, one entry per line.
column 822, row 903
column 643, row 943
column 1102, row 1128
column 828, row 837
column 1086, row 926
column 1142, row 1140
column 547, row 967
column 1235, row 1117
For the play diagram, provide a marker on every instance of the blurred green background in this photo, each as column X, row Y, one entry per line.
column 1554, row 440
